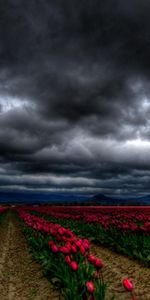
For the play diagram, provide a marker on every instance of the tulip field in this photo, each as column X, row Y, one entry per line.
column 65, row 242
column 123, row 229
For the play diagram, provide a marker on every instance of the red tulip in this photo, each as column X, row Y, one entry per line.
column 86, row 246
column 61, row 230
column 74, row 266
column 82, row 250
column 98, row 263
column 71, row 239
column 79, row 243
column 63, row 238
column 73, row 249
column 64, row 249
column 86, row 241
column 90, row 287
column 54, row 248
column 67, row 259
column 91, row 258
column 127, row 284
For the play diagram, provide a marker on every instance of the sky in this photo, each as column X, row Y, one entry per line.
column 75, row 96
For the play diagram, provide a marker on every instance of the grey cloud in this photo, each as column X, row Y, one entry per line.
column 80, row 72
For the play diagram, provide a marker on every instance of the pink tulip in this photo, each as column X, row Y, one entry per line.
column 91, row 258
column 54, row 248
column 79, row 243
column 61, row 230
column 64, row 250
column 67, row 259
column 90, row 287
column 98, row 263
column 82, row 250
column 86, row 244
column 73, row 249
column 74, row 266
column 127, row 284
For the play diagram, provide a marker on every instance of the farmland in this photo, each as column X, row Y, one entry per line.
column 51, row 252
column 126, row 230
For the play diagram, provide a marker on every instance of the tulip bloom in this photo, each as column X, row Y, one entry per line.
column 74, row 266
column 61, row 230
column 91, row 258
column 67, row 259
column 73, row 249
column 82, row 250
column 98, row 263
column 64, row 249
column 78, row 243
column 90, row 287
column 86, row 244
column 127, row 284
column 54, row 248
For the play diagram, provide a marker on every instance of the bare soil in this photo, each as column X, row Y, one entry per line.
column 20, row 277
column 116, row 267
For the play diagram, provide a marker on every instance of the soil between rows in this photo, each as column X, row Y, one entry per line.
column 117, row 267
column 21, row 278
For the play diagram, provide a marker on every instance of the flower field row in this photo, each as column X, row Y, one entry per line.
column 125, row 219
column 2, row 210
column 67, row 259
column 127, row 233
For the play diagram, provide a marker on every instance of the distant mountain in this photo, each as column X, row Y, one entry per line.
column 101, row 199
column 25, row 197
column 30, row 198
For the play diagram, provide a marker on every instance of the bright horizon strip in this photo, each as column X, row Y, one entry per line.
column 138, row 142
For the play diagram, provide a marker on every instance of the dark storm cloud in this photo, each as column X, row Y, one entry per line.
column 74, row 95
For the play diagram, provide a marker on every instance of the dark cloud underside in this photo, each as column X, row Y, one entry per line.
column 74, row 95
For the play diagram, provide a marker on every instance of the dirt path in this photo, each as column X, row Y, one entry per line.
column 20, row 277
column 117, row 267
